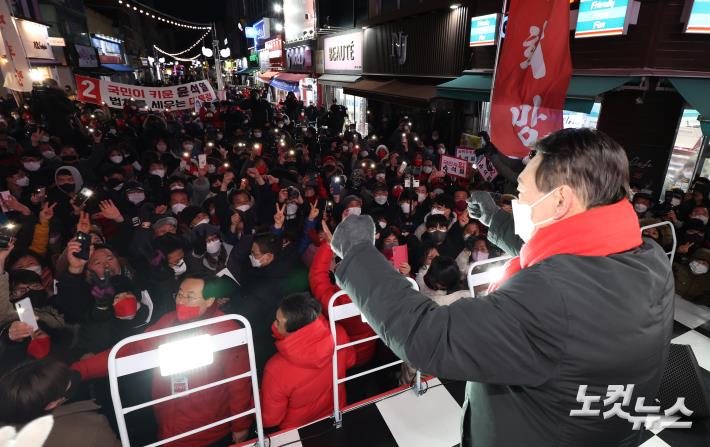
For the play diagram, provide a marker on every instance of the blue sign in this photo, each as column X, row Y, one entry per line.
column 601, row 18
column 262, row 29
column 699, row 21
column 483, row 30
column 250, row 32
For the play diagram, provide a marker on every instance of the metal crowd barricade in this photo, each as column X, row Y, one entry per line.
column 123, row 366
column 486, row 277
column 349, row 310
column 670, row 254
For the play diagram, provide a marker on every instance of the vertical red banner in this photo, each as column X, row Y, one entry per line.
column 88, row 89
column 532, row 75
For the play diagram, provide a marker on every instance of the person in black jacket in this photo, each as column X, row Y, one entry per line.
column 585, row 304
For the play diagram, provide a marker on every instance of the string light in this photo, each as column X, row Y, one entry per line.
column 185, row 50
column 151, row 13
column 189, row 59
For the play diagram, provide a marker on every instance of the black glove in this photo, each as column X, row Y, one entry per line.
column 352, row 231
column 482, row 207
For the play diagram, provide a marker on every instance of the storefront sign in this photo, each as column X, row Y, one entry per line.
column 343, row 53
column 699, row 20
column 264, row 63
column 262, row 29
column 454, row 166
column 299, row 19
column 483, row 30
column 533, row 75
column 275, row 48
column 56, row 42
column 299, row 59
column 35, row 39
column 601, row 18
column 87, row 56
column 250, row 32
column 115, row 95
column 398, row 47
column 16, row 70
column 109, row 52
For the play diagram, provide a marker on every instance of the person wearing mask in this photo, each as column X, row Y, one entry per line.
column 566, row 311
column 17, row 183
column 692, row 239
column 195, row 300
column 382, row 205
column 209, row 252
column 297, row 387
column 268, row 275
column 692, row 280
column 46, row 387
column 39, row 171
column 86, row 166
column 642, row 204
column 442, row 204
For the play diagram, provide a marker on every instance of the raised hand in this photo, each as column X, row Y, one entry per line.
column 280, row 216
column 47, row 212
column 84, row 224
column 110, row 211
column 313, row 215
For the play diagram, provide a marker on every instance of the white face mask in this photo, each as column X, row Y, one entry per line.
column 188, row 147
column 178, row 207
column 421, row 197
column 32, row 166
column 291, row 209
column 380, row 200
column 406, row 208
column 427, row 169
column 364, row 154
column 704, row 219
column 34, row 268
column 244, row 208
column 48, row 154
column 159, row 172
column 380, row 177
column 437, row 211
column 698, row 268
column 180, row 268
column 675, row 201
column 213, row 247
column 116, row 159
column 522, row 216
column 23, row 182
column 479, row 255
column 256, row 263
column 641, row 208
column 136, row 198
column 257, row 134
column 354, row 211
column 203, row 221
column 382, row 224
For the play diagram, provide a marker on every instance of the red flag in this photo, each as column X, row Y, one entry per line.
column 532, row 75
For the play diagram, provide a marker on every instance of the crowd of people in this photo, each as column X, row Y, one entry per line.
column 119, row 222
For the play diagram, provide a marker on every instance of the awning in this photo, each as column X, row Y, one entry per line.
column 581, row 93
column 696, row 91
column 118, row 67
column 337, row 80
column 393, row 91
column 583, row 90
column 469, row 87
column 248, row 70
column 266, row 76
column 288, row 81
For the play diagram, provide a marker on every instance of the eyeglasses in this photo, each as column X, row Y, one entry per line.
column 22, row 290
column 186, row 297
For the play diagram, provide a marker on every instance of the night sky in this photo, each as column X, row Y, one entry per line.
column 204, row 11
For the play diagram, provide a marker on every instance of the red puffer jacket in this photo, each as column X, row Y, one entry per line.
column 297, row 387
column 322, row 289
column 184, row 414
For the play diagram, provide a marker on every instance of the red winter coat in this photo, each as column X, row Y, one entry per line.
column 322, row 289
column 181, row 415
column 297, row 387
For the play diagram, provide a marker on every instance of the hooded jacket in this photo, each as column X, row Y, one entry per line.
column 297, row 387
column 323, row 288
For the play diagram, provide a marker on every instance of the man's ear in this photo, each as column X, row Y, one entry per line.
column 566, row 199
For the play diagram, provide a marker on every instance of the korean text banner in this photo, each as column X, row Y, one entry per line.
column 113, row 94
column 532, row 75
column 16, row 69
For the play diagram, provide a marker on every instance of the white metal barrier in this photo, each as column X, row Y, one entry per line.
column 123, row 366
column 670, row 254
column 341, row 312
column 478, row 279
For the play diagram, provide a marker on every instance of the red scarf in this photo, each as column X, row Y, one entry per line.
column 601, row 231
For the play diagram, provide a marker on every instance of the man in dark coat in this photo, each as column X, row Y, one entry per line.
column 587, row 302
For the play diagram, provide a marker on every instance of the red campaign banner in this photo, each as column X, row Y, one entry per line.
column 532, row 75
column 117, row 95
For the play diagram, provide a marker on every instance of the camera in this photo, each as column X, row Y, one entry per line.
column 329, row 207
column 85, row 240
column 293, row 193
column 83, row 197
column 6, row 233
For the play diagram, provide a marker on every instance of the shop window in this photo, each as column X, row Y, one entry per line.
column 686, row 151
column 576, row 120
